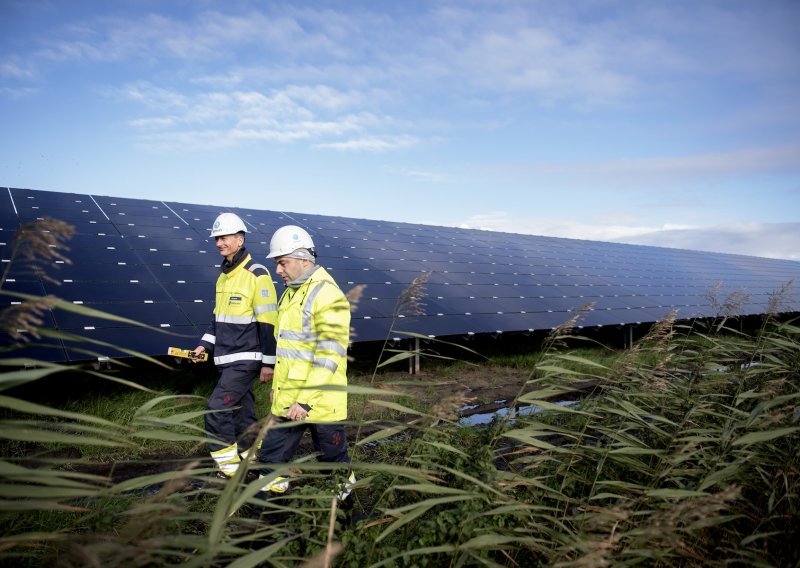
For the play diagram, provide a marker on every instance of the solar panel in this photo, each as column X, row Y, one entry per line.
column 153, row 262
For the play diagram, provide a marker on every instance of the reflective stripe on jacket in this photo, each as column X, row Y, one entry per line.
column 242, row 329
column 313, row 333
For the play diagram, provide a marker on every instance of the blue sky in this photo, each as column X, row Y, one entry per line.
column 664, row 122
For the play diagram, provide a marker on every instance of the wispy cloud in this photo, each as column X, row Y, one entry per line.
column 550, row 226
column 560, row 50
column 371, row 144
column 185, row 141
column 208, row 34
column 769, row 240
column 424, row 175
column 17, row 93
column 314, row 112
column 337, row 60
column 656, row 171
column 15, row 68
column 517, row 51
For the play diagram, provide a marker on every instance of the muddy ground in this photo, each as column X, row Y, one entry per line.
column 464, row 392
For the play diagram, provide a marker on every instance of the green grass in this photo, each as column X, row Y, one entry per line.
column 686, row 453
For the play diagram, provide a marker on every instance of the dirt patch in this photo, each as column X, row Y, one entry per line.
column 458, row 393
column 461, row 392
column 451, row 395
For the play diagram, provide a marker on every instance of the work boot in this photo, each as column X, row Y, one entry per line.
column 345, row 488
column 227, row 460
column 277, row 485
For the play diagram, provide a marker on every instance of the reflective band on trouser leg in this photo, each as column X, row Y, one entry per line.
column 277, row 485
column 227, row 459
column 279, row 445
column 251, row 454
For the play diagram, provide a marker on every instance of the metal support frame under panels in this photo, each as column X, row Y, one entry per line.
column 413, row 361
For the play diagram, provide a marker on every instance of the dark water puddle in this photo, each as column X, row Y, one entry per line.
column 504, row 412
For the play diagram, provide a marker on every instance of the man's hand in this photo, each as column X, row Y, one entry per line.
column 197, row 351
column 266, row 374
column 296, row 412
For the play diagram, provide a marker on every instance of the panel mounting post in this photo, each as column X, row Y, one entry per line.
column 627, row 338
column 413, row 361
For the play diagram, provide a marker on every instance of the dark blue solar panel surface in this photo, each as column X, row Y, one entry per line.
column 153, row 262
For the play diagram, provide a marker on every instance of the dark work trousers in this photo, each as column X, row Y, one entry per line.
column 280, row 444
column 234, row 395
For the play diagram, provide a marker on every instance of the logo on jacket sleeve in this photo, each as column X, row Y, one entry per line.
column 264, row 293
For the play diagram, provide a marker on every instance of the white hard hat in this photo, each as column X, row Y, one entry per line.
column 288, row 239
column 228, row 224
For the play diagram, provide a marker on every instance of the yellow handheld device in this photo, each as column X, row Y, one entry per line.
column 187, row 354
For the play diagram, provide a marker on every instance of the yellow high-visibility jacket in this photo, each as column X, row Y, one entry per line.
column 313, row 333
column 242, row 330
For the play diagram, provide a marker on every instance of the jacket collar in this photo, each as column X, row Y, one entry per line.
column 303, row 278
column 227, row 267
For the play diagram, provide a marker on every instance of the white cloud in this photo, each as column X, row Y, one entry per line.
column 357, row 61
column 150, row 96
column 524, row 56
column 13, row 68
column 324, row 97
column 371, row 144
column 188, row 141
column 550, row 227
column 203, row 35
column 657, row 171
column 156, row 123
column 283, row 115
column 769, row 240
column 423, row 175
column 17, row 93
column 555, row 49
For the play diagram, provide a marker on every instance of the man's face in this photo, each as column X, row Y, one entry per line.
column 290, row 268
column 229, row 245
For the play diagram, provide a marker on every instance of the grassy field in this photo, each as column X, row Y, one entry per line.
column 680, row 451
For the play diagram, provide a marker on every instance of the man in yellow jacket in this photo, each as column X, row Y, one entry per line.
column 313, row 333
column 241, row 338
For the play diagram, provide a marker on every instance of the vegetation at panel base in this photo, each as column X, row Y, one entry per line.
column 685, row 454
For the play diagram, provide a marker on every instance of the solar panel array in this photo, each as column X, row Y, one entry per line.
column 153, row 262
